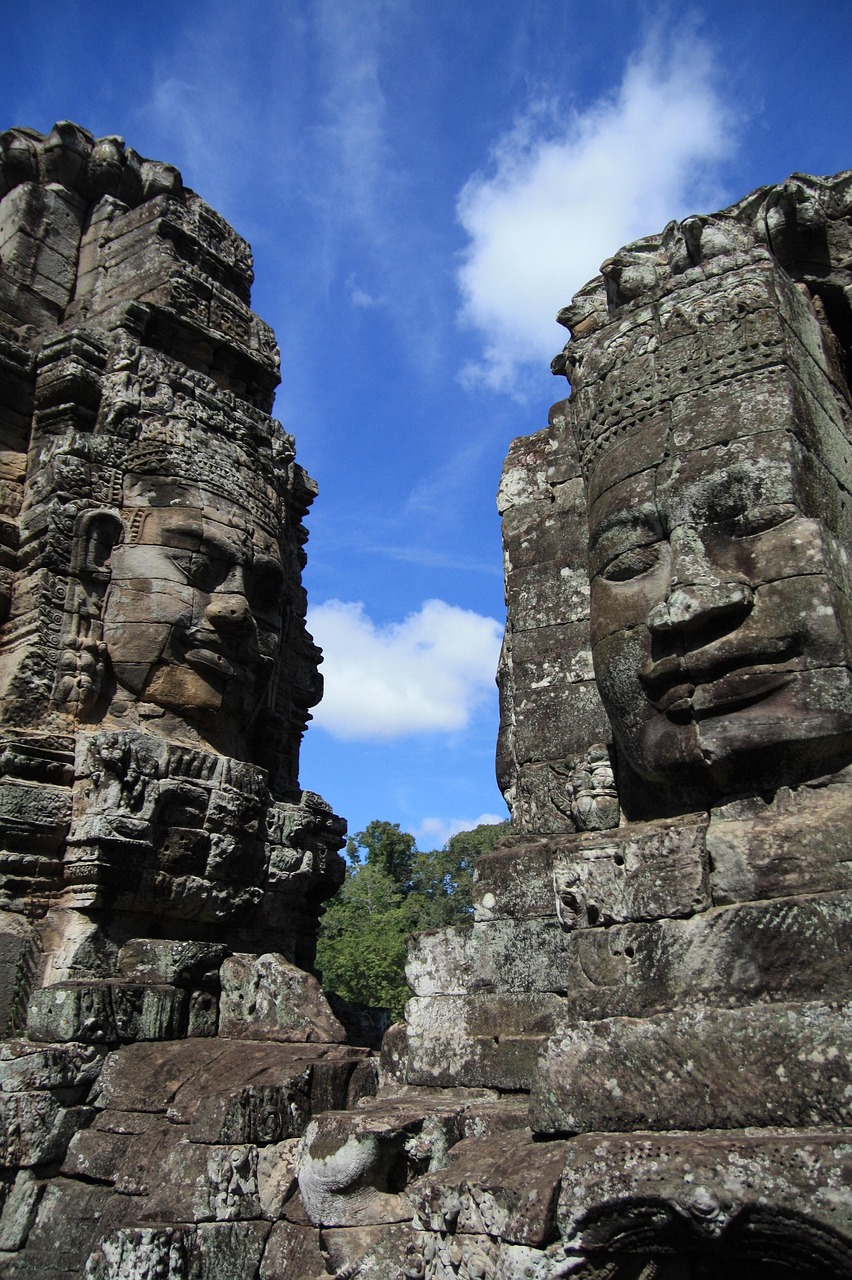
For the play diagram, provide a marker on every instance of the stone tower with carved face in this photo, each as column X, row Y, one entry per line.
column 659, row 955
column 156, row 674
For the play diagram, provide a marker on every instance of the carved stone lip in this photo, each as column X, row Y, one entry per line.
column 210, row 661
column 695, row 684
column 726, row 694
column 203, row 649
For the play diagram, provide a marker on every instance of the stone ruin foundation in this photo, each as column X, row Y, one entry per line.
column 634, row 1062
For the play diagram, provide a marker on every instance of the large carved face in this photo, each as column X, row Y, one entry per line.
column 192, row 615
column 717, row 646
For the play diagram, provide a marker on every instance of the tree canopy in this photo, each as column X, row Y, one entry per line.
column 386, row 846
column 392, row 889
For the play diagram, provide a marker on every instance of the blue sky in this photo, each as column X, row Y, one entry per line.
column 424, row 185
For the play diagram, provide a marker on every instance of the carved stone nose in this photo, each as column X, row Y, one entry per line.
column 697, row 593
column 690, row 607
column 229, row 611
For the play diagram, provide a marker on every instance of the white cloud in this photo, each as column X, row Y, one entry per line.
column 433, row 833
column 425, row 674
column 565, row 194
column 360, row 297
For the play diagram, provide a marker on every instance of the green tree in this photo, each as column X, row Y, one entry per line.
column 444, row 877
column 390, row 891
column 385, row 845
column 361, row 947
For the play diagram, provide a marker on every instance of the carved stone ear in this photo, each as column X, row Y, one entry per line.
column 96, row 534
column 83, row 664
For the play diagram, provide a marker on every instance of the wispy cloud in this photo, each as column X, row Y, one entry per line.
column 433, row 833
column 425, row 674
column 428, row 558
column 564, row 193
column 352, row 109
column 226, row 103
column 360, row 297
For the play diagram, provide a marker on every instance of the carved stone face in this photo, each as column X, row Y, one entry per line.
column 192, row 615
column 717, row 646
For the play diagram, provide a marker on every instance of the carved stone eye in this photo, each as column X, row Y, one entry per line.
column 632, row 564
column 760, row 519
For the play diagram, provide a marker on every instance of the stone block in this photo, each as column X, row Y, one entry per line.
column 180, row 964
column 524, row 472
column 106, row 1012
column 146, row 1077
column 765, row 1065
column 371, row 1252
column 545, row 595
column 291, row 1251
column 36, row 1128
column 19, row 1210
column 446, row 1061
column 541, row 794
column 258, row 1113
column 552, row 655
column 70, row 1068
column 228, row 1249
column 806, row 850
column 506, row 1187
column 783, row 948
column 131, row 1252
column 19, row 951
column 551, row 723
column 639, row 872
column 205, row 1183
column 276, row 1176
column 622, row 1191
column 34, row 816
column 486, row 1014
column 176, row 1076
column 550, row 531
column 267, row 998
column 65, row 1230
column 97, row 1156
column 140, row 1172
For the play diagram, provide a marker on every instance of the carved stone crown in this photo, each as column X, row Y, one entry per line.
column 647, row 290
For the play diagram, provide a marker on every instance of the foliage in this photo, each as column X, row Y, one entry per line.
column 391, row 890
column 386, row 846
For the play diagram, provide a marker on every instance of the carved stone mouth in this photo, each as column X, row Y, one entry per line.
column 737, row 690
column 681, row 688
column 203, row 650
column 210, row 660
